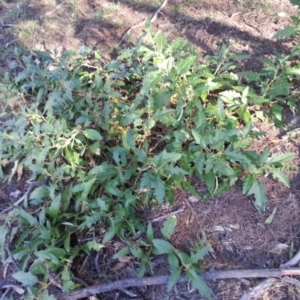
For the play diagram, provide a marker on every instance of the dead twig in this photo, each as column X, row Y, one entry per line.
column 259, row 289
column 172, row 213
column 32, row 185
column 158, row 280
column 153, row 19
column 263, row 286
column 292, row 262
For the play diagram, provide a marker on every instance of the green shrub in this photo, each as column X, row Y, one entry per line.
column 122, row 136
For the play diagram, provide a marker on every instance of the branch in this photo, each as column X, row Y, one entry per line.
column 32, row 185
column 153, row 19
column 158, row 280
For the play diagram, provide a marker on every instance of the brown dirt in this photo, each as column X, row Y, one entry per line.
column 229, row 223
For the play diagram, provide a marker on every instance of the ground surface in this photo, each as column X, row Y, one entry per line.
column 230, row 223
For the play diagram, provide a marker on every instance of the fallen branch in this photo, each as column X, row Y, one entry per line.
column 158, row 280
column 265, row 285
column 153, row 19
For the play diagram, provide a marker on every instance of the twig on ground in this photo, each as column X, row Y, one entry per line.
column 292, row 262
column 263, row 286
column 259, row 289
column 32, row 186
column 57, row 7
column 166, row 215
column 158, row 280
column 153, row 19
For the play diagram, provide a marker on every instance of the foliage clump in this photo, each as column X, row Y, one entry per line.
column 113, row 138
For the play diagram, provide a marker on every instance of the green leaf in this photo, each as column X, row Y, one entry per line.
column 210, row 181
column 286, row 32
column 165, row 157
column 109, row 234
column 26, row 216
column 26, row 278
column 247, row 183
column 264, row 156
column 276, row 172
column 92, row 134
column 161, row 41
column 235, row 156
column 162, row 247
column 154, row 181
column 280, row 158
column 122, row 252
column 199, row 161
column 222, row 167
column 104, row 171
column 185, row 65
column 93, row 245
column 270, row 219
column 150, row 82
column 199, row 255
column 259, row 193
column 168, row 227
column 149, row 233
column 96, row 148
column 54, row 207
column 175, row 271
column 198, row 283
column 3, row 233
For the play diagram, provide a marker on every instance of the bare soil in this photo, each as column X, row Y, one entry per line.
column 236, row 231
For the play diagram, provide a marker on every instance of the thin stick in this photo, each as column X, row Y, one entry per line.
column 166, row 215
column 153, row 19
column 158, row 280
column 32, row 186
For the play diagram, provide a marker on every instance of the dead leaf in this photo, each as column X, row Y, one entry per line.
column 20, row 172
column 125, row 259
column 270, row 219
column 219, row 228
column 118, row 266
column 234, row 226
column 279, row 248
column 193, row 199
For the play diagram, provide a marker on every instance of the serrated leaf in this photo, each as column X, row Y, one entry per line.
column 122, row 252
column 259, row 193
column 168, row 227
column 264, row 156
column 92, row 134
column 104, row 171
column 280, row 176
column 93, row 245
column 247, row 183
column 26, row 278
column 161, row 41
column 280, row 158
column 235, row 156
column 199, row 255
column 198, row 283
column 162, row 247
column 222, row 167
column 165, row 157
column 185, row 65
column 150, row 82
column 286, row 32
